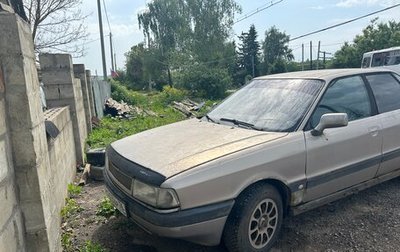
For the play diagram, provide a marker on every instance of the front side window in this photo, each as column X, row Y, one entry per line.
column 386, row 90
column 348, row 95
column 366, row 62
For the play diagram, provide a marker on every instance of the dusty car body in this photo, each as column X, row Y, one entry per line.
column 334, row 132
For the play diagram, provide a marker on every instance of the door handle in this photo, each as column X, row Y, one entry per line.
column 374, row 131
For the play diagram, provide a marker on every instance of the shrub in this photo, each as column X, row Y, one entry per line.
column 170, row 94
column 120, row 93
column 205, row 82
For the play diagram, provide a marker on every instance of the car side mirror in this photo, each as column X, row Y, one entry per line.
column 332, row 120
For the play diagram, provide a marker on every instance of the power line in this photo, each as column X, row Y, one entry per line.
column 259, row 9
column 346, row 22
column 106, row 12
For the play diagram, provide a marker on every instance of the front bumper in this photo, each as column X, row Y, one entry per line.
column 203, row 225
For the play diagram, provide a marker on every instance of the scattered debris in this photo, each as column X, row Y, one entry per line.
column 85, row 175
column 117, row 109
column 188, row 107
column 124, row 110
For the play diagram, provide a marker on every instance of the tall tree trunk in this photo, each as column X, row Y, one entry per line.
column 169, row 77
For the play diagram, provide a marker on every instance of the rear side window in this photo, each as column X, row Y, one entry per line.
column 386, row 90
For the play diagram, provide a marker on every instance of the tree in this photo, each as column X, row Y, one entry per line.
column 276, row 51
column 162, row 25
column 204, row 81
column 143, row 68
column 374, row 37
column 347, row 56
column 56, row 25
column 211, row 22
column 248, row 54
column 188, row 29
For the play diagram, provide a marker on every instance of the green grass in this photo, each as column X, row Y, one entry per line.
column 71, row 207
column 90, row 246
column 106, row 208
column 74, row 190
column 66, row 241
column 112, row 129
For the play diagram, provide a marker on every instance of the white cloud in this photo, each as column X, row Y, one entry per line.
column 319, row 7
column 353, row 3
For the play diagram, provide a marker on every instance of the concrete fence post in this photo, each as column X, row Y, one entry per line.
column 80, row 73
column 62, row 89
column 90, row 90
column 26, row 131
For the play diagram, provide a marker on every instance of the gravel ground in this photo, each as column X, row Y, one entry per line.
column 367, row 221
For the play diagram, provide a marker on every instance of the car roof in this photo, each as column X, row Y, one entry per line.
column 327, row 74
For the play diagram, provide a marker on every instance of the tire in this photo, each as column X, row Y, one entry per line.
column 255, row 221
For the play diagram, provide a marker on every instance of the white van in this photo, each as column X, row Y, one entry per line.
column 389, row 58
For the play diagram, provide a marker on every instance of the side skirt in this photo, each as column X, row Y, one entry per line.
column 343, row 193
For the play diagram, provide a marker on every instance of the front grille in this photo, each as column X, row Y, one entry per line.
column 122, row 179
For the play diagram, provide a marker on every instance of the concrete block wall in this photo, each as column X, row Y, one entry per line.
column 26, row 131
column 62, row 159
column 62, row 89
column 35, row 169
column 11, row 228
column 80, row 73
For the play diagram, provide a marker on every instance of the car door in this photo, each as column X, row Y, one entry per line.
column 342, row 157
column 386, row 89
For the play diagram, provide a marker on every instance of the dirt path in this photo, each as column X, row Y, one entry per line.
column 367, row 221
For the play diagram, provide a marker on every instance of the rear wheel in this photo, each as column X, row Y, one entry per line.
column 255, row 221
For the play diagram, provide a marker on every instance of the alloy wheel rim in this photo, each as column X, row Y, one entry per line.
column 263, row 223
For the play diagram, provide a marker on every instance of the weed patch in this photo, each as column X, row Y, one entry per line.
column 90, row 246
column 71, row 207
column 106, row 208
column 74, row 190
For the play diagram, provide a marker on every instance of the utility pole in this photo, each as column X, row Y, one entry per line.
column 103, row 54
column 319, row 49
column 302, row 57
column 311, row 66
column 115, row 61
column 324, row 59
column 112, row 53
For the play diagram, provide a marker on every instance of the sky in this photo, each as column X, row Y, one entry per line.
column 294, row 17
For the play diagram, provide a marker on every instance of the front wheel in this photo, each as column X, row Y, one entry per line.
column 255, row 221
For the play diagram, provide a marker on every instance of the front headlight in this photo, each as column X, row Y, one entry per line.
column 160, row 198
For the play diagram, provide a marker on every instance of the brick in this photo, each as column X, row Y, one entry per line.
column 8, row 241
column 7, row 194
column 4, row 163
column 57, row 77
column 2, row 116
column 1, row 80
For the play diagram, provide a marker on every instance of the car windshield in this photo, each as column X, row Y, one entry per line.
column 272, row 105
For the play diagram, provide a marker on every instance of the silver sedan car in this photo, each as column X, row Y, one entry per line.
column 281, row 145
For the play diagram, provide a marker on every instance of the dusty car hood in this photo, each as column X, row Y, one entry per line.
column 177, row 147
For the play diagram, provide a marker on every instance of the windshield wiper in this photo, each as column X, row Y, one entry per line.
column 241, row 123
column 210, row 119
